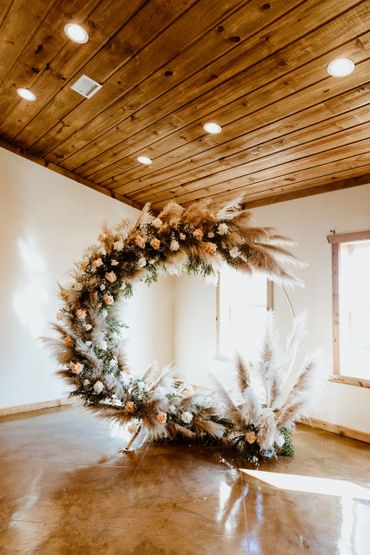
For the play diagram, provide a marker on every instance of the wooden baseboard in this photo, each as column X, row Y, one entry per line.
column 19, row 409
column 336, row 429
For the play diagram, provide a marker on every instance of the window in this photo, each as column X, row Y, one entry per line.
column 243, row 301
column 351, row 307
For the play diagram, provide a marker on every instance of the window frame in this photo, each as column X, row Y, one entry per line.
column 335, row 241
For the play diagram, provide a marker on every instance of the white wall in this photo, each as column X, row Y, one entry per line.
column 308, row 221
column 46, row 222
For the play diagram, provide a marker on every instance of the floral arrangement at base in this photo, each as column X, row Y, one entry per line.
column 195, row 240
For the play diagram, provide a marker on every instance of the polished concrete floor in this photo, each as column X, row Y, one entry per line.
column 65, row 488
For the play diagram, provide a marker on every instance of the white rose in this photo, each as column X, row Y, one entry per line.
column 187, row 417
column 114, row 262
column 118, row 246
column 86, row 383
column 235, row 252
column 222, row 229
column 174, row 246
column 88, row 327
column 141, row 262
column 98, row 387
column 102, row 287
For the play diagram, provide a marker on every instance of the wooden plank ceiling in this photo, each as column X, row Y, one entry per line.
column 258, row 68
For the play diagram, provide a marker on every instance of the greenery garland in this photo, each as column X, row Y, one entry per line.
column 196, row 240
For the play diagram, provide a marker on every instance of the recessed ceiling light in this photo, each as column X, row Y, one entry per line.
column 212, row 127
column 340, row 67
column 144, row 160
column 75, row 32
column 26, row 94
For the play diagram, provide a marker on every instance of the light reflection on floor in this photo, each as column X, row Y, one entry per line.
column 311, row 484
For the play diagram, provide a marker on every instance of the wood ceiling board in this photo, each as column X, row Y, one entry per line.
column 258, row 143
column 66, row 66
column 152, row 43
column 246, row 69
column 198, row 56
column 258, row 68
column 218, row 184
column 267, row 104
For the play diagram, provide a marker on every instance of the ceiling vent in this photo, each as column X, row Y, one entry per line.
column 85, row 86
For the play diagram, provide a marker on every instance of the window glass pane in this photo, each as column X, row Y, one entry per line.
column 242, row 313
column 354, row 309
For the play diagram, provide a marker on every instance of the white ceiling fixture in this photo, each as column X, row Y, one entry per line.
column 144, row 160
column 340, row 67
column 212, row 127
column 85, row 86
column 76, row 33
column 26, row 94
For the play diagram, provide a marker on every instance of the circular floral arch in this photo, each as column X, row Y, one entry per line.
column 195, row 240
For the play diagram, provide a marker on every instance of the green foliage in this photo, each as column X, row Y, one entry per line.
column 287, row 449
column 197, row 267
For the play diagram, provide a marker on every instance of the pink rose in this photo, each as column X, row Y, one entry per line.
column 81, row 314
column 76, row 367
column 108, row 299
column 130, row 406
column 250, row 437
column 97, row 263
column 198, row 234
column 111, row 277
column 155, row 243
column 162, row 417
column 140, row 241
column 210, row 248
column 68, row 341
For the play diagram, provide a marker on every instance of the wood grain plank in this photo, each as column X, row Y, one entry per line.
column 259, row 144
column 106, row 19
column 201, row 190
column 5, row 6
column 20, row 22
column 218, row 40
column 40, row 50
column 315, row 94
column 218, row 96
column 160, row 43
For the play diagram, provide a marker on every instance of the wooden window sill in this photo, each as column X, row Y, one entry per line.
column 359, row 382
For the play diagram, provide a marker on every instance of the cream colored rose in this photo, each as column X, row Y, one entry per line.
column 118, row 246
column 76, row 367
column 174, row 246
column 81, row 313
column 114, row 262
column 155, row 243
column 250, row 437
column 111, row 277
column 222, row 229
column 182, row 236
column 210, row 235
column 140, row 242
column 162, row 417
column 130, row 407
column 141, row 262
column 97, row 263
column 108, row 299
column 98, row 387
column 235, row 252
column 198, row 234
column 157, row 223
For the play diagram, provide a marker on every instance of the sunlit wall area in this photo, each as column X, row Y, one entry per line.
column 46, row 223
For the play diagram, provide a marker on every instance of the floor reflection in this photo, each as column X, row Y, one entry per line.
column 67, row 487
